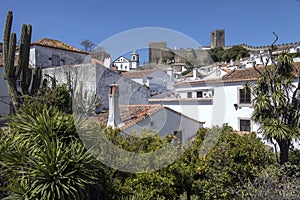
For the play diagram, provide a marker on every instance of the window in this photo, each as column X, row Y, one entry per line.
column 62, row 62
column 55, row 60
column 245, row 125
column 189, row 95
column 245, row 95
column 199, row 94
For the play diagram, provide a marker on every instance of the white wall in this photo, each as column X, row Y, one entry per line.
column 166, row 122
column 39, row 56
column 200, row 111
column 122, row 63
column 232, row 115
column 217, row 111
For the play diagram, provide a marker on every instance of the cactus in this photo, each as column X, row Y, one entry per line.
column 12, row 72
column 9, row 49
column 36, row 80
column 24, row 58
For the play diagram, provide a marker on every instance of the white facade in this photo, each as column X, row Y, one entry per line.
column 158, row 81
column 125, row 64
column 122, row 64
column 53, row 57
column 166, row 122
column 212, row 103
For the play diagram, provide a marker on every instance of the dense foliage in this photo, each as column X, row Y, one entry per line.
column 234, row 53
column 43, row 157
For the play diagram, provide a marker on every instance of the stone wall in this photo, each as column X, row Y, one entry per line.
column 96, row 79
column 130, row 91
column 160, row 54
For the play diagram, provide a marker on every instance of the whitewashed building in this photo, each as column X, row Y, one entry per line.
column 52, row 53
column 96, row 79
column 124, row 64
column 156, row 80
column 216, row 101
column 134, row 118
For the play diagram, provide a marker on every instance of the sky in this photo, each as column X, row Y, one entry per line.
column 244, row 21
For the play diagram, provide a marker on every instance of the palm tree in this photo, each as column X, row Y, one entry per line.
column 276, row 103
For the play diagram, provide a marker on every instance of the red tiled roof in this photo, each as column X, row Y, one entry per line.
column 137, row 74
column 132, row 114
column 247, row 74
column 46, row 42
column 237, row 75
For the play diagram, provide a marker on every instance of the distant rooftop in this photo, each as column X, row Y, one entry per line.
column 237, row 75
column 46, row 42
column 138, row 74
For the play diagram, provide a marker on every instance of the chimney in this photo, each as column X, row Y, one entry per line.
column 114, row 119
column 195, row 73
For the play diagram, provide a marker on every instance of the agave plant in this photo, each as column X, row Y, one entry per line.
column 42, row 157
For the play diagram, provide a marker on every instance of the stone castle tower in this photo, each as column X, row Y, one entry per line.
column 217, row 38
column 158, row 52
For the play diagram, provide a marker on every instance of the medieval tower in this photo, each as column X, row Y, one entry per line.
column 217, row 38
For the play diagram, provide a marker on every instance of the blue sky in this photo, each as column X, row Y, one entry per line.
column 250, row 22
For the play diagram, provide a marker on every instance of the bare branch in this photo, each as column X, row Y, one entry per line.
column 276, row 38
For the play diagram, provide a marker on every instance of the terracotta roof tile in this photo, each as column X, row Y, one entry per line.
column 137, row 74
column 132, row 114
column 46, row 42
column 247, row 74
column 237, row 75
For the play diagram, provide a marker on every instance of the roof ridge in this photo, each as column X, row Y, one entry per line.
column 54, row 43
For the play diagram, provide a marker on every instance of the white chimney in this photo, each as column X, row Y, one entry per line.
column 114, row 119
column 195, row 73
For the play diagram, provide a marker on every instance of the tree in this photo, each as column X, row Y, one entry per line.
column 87, row 45
column 276, row 101
column 99, row 53
column 235, row 52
